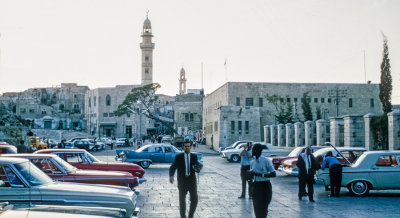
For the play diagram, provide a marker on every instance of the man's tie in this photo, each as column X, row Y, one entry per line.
column 187, row 165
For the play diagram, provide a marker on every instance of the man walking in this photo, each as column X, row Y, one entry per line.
column 245, row 156
column 307, row 165
column 335, row 173
column 186, row 179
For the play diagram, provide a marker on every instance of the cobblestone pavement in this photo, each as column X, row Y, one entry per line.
column 219, row 186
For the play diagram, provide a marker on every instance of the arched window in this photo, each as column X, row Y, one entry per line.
column 108, row 100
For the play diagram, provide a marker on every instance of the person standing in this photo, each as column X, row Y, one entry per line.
column 335, row 173
column 245, row 156
column 262, row 169
column 307, row 165
column 184, row 163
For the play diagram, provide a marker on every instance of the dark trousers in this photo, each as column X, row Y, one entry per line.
column 244, row 177
column 335, row 175
column 309, row 181
column 262, row 194
column 183, row 190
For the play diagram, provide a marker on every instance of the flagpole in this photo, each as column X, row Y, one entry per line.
column 226, row 71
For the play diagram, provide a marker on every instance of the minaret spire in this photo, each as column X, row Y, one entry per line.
column 147, row 47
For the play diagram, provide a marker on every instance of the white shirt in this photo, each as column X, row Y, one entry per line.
column 307, row 160
column 187, row 164
column 262, row 165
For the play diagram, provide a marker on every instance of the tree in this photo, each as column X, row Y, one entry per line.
column 318, row 112
column 284, row 110
column 141, row 101
column 385, row 87
column 305, row 105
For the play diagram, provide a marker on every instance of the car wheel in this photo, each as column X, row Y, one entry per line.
column 235, row 158
column 359, row 188
column 145, row 164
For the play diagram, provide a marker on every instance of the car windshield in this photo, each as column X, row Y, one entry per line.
column 64, row 164
column 93, row 158
column 359, row 160
column 295, row 152
column 321, row 152
column 32, row 174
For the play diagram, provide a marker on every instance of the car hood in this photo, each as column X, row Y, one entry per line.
column 71, row 188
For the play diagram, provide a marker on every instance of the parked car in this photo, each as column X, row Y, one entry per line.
column 232, row 146
column 5, row 148
column 59, row 170
column 33, row 210
column 69, row 145
column 373, row 170
column 51, row 143
column 150, row 154
column 351, row 153
column 232, row 155
column 22, row 181
column 277, row 161
column 121, row 142
column 82, row 159
column 87, row 144
column 106, row 141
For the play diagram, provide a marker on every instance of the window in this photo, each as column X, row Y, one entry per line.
column 22, row 110
column 76, row 106
column 237, row 101
column 246, row 127
column 295, row 99
column 186, row 117
column 146, row 71
column 350, row 102
column 371, row 102
column 288, row 100
column 61, row 107
column 75, row 96
column 108, row 100
column 76, row 158
column 232, row 127
column 249, row 102
column 105, row 114
column 322, row 100
column 260, row 102
column 94, row 101
column 240, row 127
column 191, row 117
column 111, row 114
column 281, row 100
column 329, row 100
column 315, row 100
column 167, row 149
column 90, row 102
column 216, row 126
column 44, row 112
column 387, row 161
column 12, row 177
column 31, row 111
column 146, row 58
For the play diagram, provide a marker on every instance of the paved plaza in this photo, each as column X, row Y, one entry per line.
column 219, row 186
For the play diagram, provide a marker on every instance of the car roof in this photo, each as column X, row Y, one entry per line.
column 44, row 151
column 343, row 148
column 382, row 152
column 29, row 155
column 4, row 159
column 6, row 146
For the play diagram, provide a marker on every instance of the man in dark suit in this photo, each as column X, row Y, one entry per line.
column 186, row 179
column 307, row 166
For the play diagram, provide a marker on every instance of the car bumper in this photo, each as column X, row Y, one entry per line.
column 142, row 180
column 290, row 171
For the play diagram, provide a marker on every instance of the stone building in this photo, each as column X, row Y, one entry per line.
column 188, row 114
column 239, row 110
column 50, row 108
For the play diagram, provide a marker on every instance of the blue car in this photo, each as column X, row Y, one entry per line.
column 149, row 154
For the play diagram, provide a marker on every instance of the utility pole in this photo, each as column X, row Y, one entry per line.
column 337, row 94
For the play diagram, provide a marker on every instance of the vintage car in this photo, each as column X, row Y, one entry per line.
column 60, row 170
column 278, row 161
column 152, row 153
column 351, row 153
column 232, row 146
column 82, row 159
column 7, row 149
column 22, row 181
column 373, row 170
column 232, row 155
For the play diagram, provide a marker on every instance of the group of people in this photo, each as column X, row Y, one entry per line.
column 255, row 172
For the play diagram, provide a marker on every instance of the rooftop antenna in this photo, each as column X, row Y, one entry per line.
column 365, row 70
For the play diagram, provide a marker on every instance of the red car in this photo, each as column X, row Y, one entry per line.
column 5, row 148
column 60, row 170
column 82, row 159
column 278, row 161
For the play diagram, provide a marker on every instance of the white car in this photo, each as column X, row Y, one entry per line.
column 232, row 155
column 376, row 170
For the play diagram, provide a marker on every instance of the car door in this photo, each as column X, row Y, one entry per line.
column 13, row 189
column 386, row 172
column 169, row 154
column 158, row 155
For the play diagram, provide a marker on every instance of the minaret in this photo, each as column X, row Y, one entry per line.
column 147, row 52
column 182, row 82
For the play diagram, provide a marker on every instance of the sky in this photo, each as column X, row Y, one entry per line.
column 95, row 43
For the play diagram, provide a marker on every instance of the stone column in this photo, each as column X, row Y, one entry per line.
column 394, row 130
column 281, row 135
column 289, row 135
column 321, row 132
column 298, row 134
column 267, row 134
column 354, row 133
column 274, row 138
column 336, row 135
column 308, row 136
column 369, row 140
